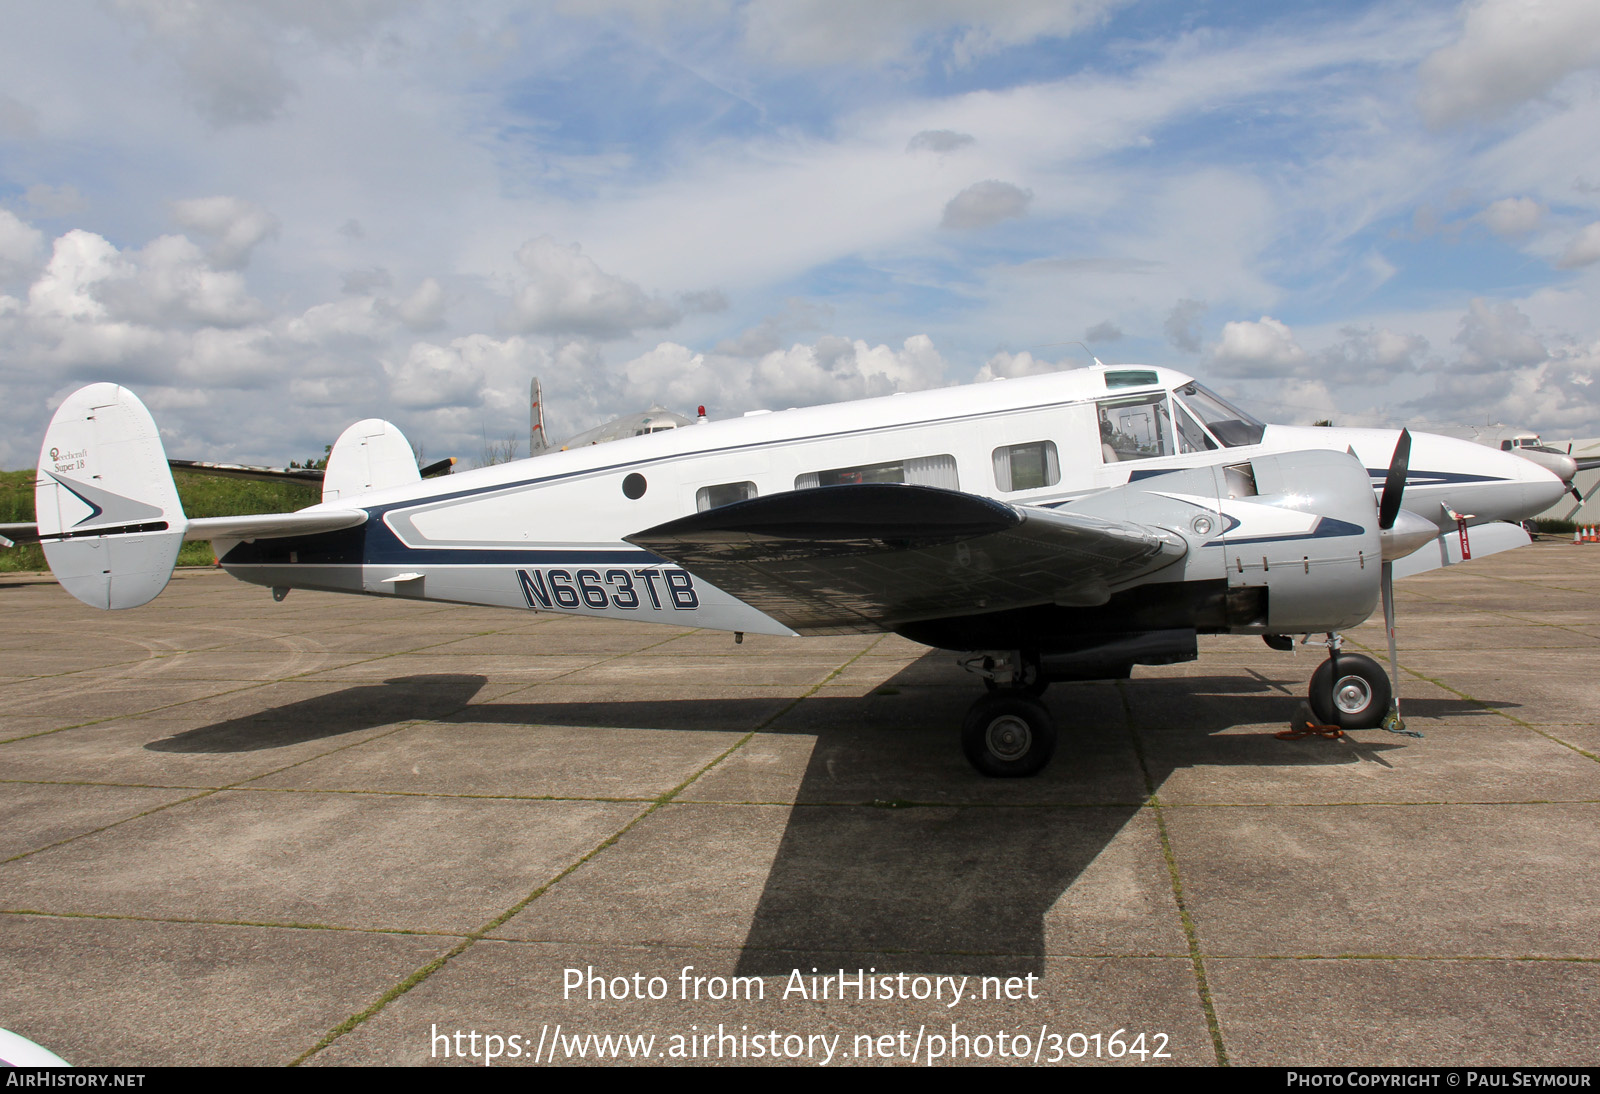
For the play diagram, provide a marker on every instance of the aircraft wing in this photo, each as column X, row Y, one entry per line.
column 11, row 534
column 843, row 559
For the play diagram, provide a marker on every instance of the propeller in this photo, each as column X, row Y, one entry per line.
column 1394, row 486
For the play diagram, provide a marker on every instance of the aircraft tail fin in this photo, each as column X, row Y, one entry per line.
column 108, row 513
column 371, row 455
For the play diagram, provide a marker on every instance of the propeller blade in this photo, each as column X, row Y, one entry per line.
column 1387, row 584
column 1394, row 484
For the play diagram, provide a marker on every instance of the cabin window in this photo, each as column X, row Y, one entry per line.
column 1136, row 427
column 715, row 497
column 1027, row 466
column 919, row 471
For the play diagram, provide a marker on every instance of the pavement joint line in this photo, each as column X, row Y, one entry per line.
column 240, row 785
column 1508, row 717
column 1369, row 804
column 104, row 827
column 435, row 794
column 1417, row 957
column 42, row 913
column 605, row 660
column 243, row 784
column 427, row 970
column 31, row 677
column 140, row 713
column 904, row 803
column 712, row 947
column 1175, row 876
column 1521, row 620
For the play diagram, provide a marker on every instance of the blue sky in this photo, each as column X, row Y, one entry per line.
column 272, row 218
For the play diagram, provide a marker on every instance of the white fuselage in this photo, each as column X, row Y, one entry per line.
column 548, row 532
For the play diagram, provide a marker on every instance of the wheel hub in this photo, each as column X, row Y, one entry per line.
column 1352, row 695
column 1009, row 737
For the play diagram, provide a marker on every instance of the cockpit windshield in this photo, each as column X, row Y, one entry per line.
column 1232, row 426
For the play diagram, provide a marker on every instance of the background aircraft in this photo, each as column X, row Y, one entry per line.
column 1560, row 462
column 1057, row 527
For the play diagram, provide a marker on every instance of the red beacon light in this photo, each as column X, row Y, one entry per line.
column 702, row 416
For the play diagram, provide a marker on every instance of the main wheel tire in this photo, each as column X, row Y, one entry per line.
column 1008, row 736
column 1357, row 698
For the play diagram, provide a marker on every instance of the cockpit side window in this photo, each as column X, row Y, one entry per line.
column 1230, row 425
column 1135, row 427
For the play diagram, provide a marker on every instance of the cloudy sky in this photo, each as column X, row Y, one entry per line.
column 272, row 217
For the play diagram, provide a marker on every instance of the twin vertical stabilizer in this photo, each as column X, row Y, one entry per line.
column 371, row 455
column 108, row 512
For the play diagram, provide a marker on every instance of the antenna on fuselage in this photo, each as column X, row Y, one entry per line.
column 1080, row 345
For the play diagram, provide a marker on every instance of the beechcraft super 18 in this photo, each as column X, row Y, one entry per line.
column 1057, row 527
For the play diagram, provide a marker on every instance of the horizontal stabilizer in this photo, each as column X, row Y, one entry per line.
column 874, row 556
column 274, row 525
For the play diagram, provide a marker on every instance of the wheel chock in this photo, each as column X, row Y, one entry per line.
column 1304, row 724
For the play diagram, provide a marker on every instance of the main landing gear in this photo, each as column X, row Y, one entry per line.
column 1008, row 733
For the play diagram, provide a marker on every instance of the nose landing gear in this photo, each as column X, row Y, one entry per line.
column 1351, row 691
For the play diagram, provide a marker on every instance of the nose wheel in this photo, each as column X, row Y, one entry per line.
column 1351, row 691
column 1008, row 736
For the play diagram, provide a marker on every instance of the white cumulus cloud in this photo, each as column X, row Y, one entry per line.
column 1495, row 335
column 20, row 246
column 233, row 225
column 986, row 203
column 1266, row 347
column 1511, row 218
column 1584, row 250
column 1509, row 51
column 568, row 293
column 830, row 370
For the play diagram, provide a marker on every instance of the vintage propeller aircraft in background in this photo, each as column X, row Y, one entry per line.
column 1058, row 527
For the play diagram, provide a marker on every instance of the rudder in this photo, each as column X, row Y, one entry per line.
column 108, row 513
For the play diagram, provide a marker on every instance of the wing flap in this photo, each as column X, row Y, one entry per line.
column 844, row 559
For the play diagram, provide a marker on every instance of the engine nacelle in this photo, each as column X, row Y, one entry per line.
column 1302, row 553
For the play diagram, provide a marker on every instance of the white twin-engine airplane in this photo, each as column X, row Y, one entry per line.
column 1058, row 527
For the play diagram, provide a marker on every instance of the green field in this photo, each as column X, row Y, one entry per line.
column 202, row 496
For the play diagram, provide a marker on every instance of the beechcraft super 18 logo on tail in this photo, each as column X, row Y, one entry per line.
column 651, row 588
column 69, row 461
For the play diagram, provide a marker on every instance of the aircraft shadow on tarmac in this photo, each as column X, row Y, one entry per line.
column 350, row 710
column 898, row 855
